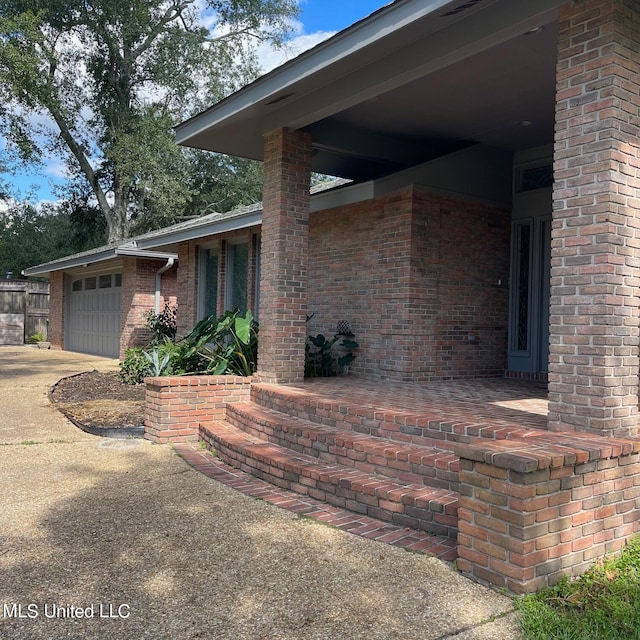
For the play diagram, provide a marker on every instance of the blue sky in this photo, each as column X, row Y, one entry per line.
column 334, row 15
column 319, row 18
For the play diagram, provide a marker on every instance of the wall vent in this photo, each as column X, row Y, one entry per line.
column 463, row 7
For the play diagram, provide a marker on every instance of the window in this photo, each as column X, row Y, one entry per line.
column 208, row 278
column 118, row 280
column 522, row 232
column 237, row 278
column 89, row 283
column 104, row 282
column 257, row 277
column 532, row 178
column 76, row 285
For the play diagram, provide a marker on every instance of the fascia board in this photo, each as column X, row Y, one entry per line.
column 143, row 253
column 194, row 233
column 70, row 262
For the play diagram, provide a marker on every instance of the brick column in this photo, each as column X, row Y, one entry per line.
column 187, row 284
column 593, row 368
column 57, row 305
column 285, row 239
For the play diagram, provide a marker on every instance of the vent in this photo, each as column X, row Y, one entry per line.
column 278, row 99
column 463, row 7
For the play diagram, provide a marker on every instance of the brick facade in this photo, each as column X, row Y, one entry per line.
column 416, row 276
column 285, row 241
column 187, row 286
column 57, row 302
column 594, row 366
column 138, row 298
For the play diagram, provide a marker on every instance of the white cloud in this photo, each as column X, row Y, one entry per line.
column 270, row 58
column 56, row 168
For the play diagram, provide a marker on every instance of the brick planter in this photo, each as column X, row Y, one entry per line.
column 176, row 405
column 531, row 512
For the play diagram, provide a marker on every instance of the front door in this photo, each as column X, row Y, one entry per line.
column 530, row 287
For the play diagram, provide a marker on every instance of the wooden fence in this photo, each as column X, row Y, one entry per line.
column 24, row 310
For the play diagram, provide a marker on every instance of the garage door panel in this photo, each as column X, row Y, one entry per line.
column 93, row 320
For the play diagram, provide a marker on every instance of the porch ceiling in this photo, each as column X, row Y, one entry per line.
column 414, row 81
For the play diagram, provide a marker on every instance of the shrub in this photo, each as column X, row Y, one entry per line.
column 226, row 345
column 320, row 359
column 162, row 325
column 135, row 367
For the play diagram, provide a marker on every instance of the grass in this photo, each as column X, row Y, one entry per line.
column 603, row 604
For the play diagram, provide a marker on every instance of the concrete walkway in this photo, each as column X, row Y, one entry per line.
column 122, row 539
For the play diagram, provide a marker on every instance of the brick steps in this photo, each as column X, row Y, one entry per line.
column 412, row 463
column 406, row 504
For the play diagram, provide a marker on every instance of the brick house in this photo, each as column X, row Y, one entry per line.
column 490, row 226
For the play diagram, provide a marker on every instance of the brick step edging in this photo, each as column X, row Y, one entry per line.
column 422, row 464
column 409, row 505
column 360, row 525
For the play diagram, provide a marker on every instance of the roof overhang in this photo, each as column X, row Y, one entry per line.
column 99, row 255
column 416, row 80
column 145, row 246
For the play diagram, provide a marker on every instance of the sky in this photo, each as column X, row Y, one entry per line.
column 319, row 19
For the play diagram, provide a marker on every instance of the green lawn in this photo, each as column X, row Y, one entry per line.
column 603, row 604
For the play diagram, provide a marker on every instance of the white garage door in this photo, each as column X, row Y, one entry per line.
column 93, row 318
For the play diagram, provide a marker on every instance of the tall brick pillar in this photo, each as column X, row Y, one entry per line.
column 593, row 368
column 57, row 305
column 284, row 248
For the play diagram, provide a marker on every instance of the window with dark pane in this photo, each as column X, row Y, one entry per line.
column 237, row 276
column 210, row 282
column 523, row 283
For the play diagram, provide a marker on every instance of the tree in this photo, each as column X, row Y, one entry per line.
column 30, row 236
column 107, row 79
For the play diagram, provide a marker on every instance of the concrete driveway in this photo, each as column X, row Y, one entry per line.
column 122, row 540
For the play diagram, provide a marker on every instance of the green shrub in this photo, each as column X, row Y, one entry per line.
column 135, row 367
column 215, row 346
column 162, row 325
column 225, row 345
column 320, row 359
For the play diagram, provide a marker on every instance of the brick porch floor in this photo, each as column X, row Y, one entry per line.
column 467, row 406
column 497, row 402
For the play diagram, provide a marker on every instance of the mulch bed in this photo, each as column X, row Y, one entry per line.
column 99, row 402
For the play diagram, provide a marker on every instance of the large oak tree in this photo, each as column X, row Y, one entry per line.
column 102, row 82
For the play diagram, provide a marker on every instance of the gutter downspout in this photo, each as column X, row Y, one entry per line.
column 159, row 273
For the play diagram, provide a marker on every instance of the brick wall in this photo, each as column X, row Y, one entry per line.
column 187, row 286
column 138, row 298
column 57, row 300
column 531, row 512
column 593, row 362
column 460, row 271
column 416, row 276
column 176, row 405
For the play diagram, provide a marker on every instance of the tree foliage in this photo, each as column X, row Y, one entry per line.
column 30, row 236
column 102, row 82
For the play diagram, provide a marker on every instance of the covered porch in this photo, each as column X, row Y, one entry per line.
column 468, row 122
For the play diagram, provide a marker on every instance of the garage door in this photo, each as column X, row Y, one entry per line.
column 93, row 318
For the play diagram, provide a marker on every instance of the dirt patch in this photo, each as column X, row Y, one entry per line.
column 98, row 399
